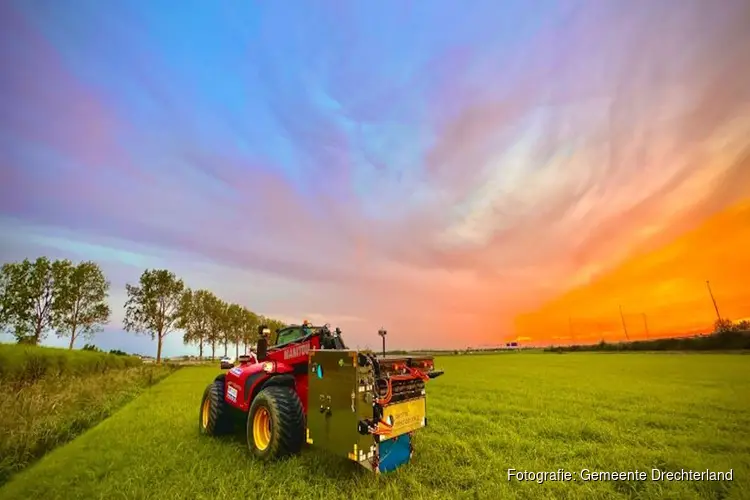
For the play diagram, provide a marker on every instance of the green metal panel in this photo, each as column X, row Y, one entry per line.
column 336, row 403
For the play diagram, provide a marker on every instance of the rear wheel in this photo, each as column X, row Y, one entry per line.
column 275, row 423
column 215, row 418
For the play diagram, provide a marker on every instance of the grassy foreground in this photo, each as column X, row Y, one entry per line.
column 536, row 412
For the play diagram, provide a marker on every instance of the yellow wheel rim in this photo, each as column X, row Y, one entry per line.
column 262, row 429
column 205, row 412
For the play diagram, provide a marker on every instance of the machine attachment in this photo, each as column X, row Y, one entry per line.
column 367, row 407
column 394, row 453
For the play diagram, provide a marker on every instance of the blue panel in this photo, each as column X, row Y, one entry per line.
column 394, row 453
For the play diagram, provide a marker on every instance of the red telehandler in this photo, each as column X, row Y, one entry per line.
column 309, row 388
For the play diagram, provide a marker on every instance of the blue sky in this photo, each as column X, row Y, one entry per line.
column 429, row 166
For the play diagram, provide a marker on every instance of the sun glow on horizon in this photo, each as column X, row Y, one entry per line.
column 662, row 292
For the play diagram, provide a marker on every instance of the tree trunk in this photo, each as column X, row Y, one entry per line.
column 213, row 350
column 225, row 348
column 158, row 350
column 72, row 337
column 236, row 350
column 38, row 331
column 200, row 351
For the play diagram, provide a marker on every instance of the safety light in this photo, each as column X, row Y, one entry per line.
column 268, row 366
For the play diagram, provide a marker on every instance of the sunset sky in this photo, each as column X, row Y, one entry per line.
column 461, row 173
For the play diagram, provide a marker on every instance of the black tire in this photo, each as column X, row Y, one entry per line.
column 214, row 418
column 286, row 419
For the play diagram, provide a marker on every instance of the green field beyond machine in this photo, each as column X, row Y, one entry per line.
column 309, row 388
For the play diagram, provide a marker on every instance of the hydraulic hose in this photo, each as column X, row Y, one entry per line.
column 413, row 374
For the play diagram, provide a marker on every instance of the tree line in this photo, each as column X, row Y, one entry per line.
column 72, row 299
column 727, row 335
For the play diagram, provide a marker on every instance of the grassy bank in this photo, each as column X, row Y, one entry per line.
column 40, row 415
column 618, row 412
column 24, row 364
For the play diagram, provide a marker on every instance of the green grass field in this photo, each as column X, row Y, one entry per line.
column 537, row 412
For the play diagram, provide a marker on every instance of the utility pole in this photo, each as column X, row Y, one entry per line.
column 570, row 327
column 383, row 333
column 645, row 324
column 624, row 328
column 716, row 308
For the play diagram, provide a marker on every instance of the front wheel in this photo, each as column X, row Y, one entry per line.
column 275, row 423
column 215, row 417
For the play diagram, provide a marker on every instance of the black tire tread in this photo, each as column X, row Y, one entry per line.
column 219, row 416
column 288, row 422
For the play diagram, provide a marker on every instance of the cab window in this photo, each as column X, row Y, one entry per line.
column 288, row 335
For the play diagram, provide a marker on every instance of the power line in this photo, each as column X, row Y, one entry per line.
column 570, row 328
column 716, row 308
column 624, row 328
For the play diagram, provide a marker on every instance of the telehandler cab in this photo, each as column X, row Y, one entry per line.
column 309, row 388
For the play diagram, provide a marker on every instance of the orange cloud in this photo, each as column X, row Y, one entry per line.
column 662, row 292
